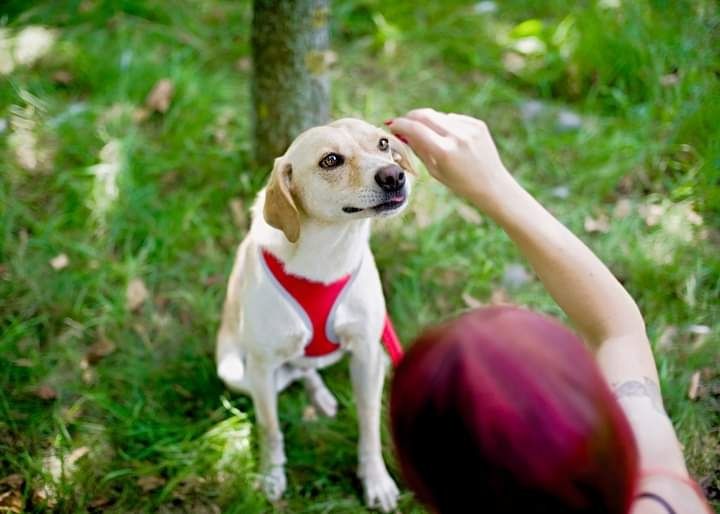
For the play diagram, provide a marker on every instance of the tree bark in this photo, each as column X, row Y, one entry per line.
column 291, row 87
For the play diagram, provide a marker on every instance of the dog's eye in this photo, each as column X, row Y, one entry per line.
column 383, row 144
column 331, row 160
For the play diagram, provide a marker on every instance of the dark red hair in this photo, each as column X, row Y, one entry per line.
column 504, row 411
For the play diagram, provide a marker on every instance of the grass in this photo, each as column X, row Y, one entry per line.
column 149, row 427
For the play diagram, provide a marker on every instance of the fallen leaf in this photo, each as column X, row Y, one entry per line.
column 76, row 455
column 471, row 301
column 239, row 215
column 14, row 481
column 98, row 350
column 469, row 214
column 243, row 64
column 136, row 294
column 670, row 79
column 182, row 391
column 160, row 96
column 59, row 262
column 513, row 62
column 622, row 209
column 44, row 496
column 62, row 77
column 11, row 501
column 99, row 502
column 651, row 213
column 599, row 224
column 698, row 334
column 309, row 413
column 667, row 336
column 214, row 280
column 140, row 114
column 500, row 296
column 150, row 483
column 24, row 363
column 45, row 392
column 694, row 386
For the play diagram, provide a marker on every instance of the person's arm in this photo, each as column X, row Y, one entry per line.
column 459, row 151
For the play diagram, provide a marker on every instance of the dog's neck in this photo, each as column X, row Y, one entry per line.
column 324, row 252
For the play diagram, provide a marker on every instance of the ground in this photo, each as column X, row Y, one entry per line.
column 120, row 211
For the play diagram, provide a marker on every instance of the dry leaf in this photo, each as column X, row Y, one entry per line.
column 99, row 502
column 512, row 62
column 62, row 77
column 14, row 481
column 11, row 501
column 651, row 214
column 24, row 363
column 182, row 391
column 500, row 296
column 44, row 496
column 98, row 350
column 309, row 413
column 150, row 483
column 76, row 455
column 239, row 215
column 670, row 79
column 160, row 96
column 667, row 337
column 694, row 386
column 599, row 224
column 45, row 392
column 136, row 294
column 140, row 114
column 243, row 64
column 59, row 262
column 471, row 301
column 469, row 214
column 214, row 280
column 623, row 208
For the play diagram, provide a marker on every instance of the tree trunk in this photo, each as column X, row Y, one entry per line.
column 291, row 88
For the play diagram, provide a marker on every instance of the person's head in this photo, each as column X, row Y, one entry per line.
column 505, row 411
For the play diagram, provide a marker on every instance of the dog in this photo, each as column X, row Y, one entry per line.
column 309, row 240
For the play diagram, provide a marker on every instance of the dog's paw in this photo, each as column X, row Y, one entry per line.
column 324, row 402
column 380, row 489
column 274, row 483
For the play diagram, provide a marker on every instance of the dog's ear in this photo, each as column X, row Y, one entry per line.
column 402, row 155
column 280, row 210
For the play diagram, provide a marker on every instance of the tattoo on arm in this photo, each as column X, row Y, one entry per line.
column 635, row 388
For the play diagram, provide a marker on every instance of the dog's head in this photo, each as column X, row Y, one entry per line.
column 346, row 170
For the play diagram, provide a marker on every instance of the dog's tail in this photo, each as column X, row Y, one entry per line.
column 230, row 364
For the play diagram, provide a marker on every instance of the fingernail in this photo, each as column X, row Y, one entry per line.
column 402, row 138
column 388, row 122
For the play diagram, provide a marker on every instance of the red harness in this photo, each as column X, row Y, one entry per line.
column 316, row 303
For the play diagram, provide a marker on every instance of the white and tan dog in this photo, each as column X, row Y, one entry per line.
column 314, row 218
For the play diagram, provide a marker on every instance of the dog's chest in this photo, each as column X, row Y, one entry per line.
column 315, row 319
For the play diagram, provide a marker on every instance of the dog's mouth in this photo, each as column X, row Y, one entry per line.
column 394, row 201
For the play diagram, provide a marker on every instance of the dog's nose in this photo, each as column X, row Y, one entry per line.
column 390, row 178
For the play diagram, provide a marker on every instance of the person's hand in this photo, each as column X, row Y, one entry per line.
column 457, row 150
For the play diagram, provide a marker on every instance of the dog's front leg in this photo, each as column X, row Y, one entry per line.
column 368, row 374
column 272, row 462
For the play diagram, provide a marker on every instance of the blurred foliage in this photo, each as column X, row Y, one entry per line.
column 605, row 110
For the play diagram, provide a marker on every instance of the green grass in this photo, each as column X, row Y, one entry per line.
column 643, row 78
